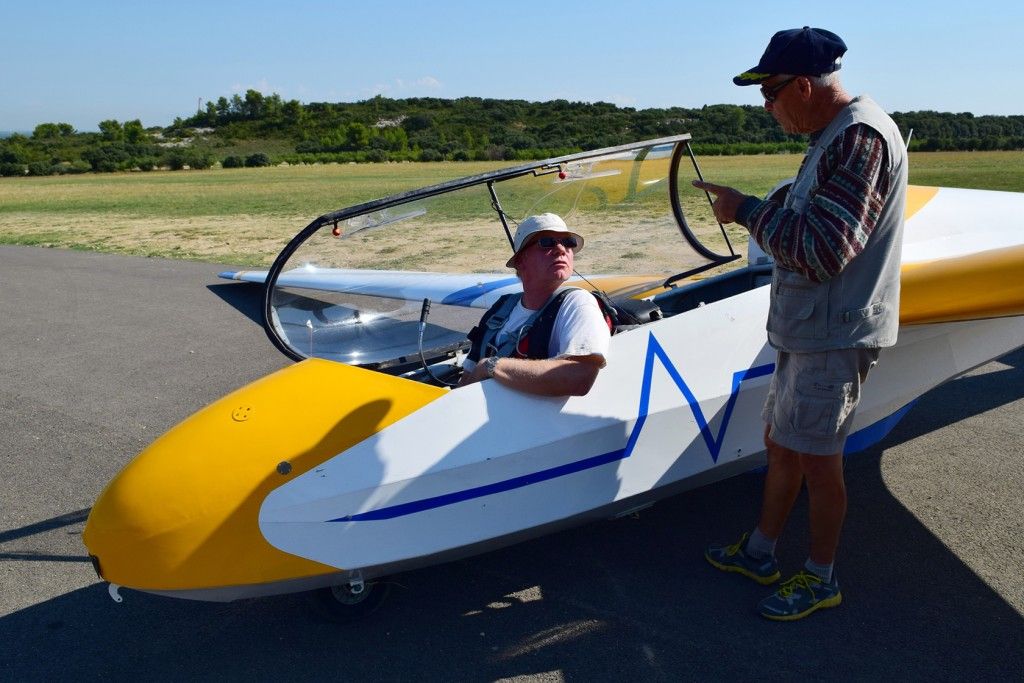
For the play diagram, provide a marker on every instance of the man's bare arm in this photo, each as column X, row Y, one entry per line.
column 573, row 376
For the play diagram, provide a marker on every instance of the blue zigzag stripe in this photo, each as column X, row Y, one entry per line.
column 714, row 445
column 654, row 350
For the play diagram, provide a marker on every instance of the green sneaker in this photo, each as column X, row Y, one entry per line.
column 799, row 596
column 733, row 558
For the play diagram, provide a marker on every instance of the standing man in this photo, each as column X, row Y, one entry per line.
column 836, row 239
column 549, row 340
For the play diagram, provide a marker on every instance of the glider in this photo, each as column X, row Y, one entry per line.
column 358, row 462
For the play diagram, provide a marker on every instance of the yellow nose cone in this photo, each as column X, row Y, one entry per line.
column 183, row 515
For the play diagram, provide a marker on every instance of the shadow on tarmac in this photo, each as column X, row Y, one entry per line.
column 69, row 519
column 612, row 600
column 245, row 297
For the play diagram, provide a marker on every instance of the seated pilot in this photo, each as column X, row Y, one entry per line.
column 545, row 341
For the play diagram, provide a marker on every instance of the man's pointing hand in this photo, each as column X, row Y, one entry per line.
column 727, row 200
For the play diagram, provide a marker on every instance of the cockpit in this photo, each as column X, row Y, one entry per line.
column 394, row 285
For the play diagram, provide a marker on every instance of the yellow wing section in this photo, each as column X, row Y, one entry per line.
column 989, row 284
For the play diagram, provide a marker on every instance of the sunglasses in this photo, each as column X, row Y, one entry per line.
column 770, row 92
column 569, row 243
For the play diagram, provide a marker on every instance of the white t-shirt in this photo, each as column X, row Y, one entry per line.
column 579, row 330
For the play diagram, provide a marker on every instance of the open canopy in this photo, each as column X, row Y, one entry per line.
column 350, row 286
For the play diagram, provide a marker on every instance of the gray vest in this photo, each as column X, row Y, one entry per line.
column 860, row 306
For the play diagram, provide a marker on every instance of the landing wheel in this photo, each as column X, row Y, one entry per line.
column 348, row 602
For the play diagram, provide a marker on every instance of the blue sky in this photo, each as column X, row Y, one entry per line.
column 83, row 62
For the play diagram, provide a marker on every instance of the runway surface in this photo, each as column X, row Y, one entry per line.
column 101, row 354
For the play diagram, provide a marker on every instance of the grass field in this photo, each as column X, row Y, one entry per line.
column 245, row 216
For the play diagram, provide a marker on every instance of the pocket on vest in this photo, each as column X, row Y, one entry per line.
column 799, row 307
column 795, row 316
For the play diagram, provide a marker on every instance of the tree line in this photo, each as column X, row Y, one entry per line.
column 433, row 129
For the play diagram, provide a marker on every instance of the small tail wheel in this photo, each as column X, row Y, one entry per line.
column 348, row 602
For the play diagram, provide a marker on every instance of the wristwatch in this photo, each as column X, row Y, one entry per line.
column 489, row 364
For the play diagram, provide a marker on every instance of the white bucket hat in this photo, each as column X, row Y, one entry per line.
column 543, row 222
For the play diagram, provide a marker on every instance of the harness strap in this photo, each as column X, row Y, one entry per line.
column 483, row 335
column 534, row 340
column 529, row 340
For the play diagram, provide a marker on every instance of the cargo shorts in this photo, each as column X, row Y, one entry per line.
column 813, row 397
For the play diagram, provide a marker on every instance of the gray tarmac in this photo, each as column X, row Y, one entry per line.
column 101, row 354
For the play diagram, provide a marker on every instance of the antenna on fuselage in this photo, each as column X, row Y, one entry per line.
column 424, row 312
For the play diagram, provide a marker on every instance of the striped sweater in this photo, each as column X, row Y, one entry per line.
column 852, row 187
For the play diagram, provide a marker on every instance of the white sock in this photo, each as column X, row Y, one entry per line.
column 759, row 545
column 823, row 571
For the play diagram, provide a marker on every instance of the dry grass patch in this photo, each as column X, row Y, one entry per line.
column 241, row 239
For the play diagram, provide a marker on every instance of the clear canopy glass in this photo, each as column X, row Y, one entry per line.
column 351, row 286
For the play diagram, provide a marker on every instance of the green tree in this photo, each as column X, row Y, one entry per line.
column 49, row 131
column 272, row 107
column 253, row 106
column 111, row 130
column 258, row 159
column 223, row 108
column 210, row 114
column 417, row 122
column 357, row 136
column 107, row 157
column 398, row 140
column 293, row 112
column 133, row 132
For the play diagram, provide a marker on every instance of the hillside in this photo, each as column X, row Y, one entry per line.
column 259, row 130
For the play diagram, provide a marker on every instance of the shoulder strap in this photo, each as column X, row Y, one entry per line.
column 516, row 342
column 486, row 331
column 534, row 344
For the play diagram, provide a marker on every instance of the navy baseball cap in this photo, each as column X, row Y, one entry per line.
column 799, row 52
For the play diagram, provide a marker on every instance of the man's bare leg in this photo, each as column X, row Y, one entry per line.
column 781, row 487
column 826, row 492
